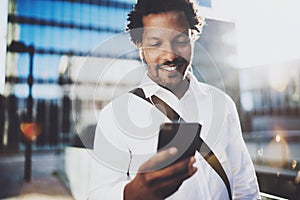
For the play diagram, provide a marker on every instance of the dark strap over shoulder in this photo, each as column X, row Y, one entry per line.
column 203, row 149
column 159, row 104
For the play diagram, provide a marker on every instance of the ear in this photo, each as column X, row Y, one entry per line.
column 138, row 45
column 140, row 49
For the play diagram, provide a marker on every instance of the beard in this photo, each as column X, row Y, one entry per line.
column 169, row 74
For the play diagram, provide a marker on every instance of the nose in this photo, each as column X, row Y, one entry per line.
column 168, row 53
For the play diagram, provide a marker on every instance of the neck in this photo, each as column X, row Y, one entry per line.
column 181, row 89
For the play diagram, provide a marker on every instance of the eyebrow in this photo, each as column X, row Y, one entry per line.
column 157, row 38
column 152, row 38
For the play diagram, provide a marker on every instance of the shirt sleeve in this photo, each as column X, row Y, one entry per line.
column 106, row 183
column 110, row 161
column 245, row 185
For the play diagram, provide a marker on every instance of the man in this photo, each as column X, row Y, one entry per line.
column 126, row 158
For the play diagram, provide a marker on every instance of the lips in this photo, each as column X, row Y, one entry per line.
column 172, row 66
column 168, row 68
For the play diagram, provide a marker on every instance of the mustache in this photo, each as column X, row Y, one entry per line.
column 176, row 62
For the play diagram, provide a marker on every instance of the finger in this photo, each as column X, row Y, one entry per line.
column 183, row 166
column 192, row 169
column 157, row 161
column 173, row 171
column 170, row 186
column 177, row 180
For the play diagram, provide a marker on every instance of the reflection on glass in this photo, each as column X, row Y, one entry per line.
column 260, row 152
column 277, row 151
column 31, row 130
column 277, row 138
column 294, row 164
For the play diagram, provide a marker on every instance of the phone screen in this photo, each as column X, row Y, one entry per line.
column 184, row 136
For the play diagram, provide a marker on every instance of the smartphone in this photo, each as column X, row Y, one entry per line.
column 184, row 136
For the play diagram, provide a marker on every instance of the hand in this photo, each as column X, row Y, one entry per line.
column 155, row 183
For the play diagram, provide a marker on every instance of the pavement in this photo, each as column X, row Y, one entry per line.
column 48, row 179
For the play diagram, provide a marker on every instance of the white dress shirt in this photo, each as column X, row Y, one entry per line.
column 127, row 136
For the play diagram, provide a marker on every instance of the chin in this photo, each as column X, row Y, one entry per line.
column 171, row 85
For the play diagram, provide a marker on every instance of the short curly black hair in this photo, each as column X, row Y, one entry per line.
column 145, row 7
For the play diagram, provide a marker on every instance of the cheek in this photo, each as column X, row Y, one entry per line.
column 186, row 53
column 151, row 56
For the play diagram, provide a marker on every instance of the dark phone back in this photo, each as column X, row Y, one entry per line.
column 184, row 136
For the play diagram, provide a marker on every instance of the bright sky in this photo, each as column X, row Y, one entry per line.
column 267, row 30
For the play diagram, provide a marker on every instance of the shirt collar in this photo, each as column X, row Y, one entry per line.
column 196, row 86
column 150, row 87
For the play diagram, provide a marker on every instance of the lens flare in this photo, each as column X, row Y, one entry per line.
column 277, row 151
column 278, row 138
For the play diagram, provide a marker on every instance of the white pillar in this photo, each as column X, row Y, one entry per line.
column 3, row 36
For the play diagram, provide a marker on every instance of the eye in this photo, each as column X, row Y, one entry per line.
column 182, row 41
column 155, row 44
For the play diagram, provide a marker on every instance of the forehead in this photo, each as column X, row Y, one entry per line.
column 171, row 22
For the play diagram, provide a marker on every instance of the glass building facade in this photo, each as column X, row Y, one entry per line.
column 57, row 28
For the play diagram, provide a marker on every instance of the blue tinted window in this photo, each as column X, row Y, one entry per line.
column 205, row 3
column 93, row 24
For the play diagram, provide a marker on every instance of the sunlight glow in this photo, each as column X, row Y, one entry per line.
column 278, row 138
column 277, row 151
column 278, row 79
column 267, row 31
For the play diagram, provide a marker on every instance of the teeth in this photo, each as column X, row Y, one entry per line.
column 169, row 68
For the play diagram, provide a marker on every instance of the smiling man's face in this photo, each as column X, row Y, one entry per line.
column 167, row 48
